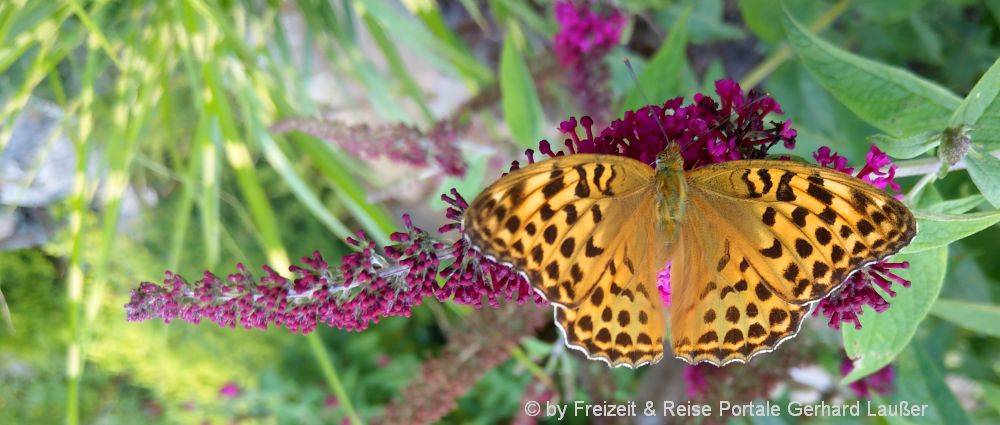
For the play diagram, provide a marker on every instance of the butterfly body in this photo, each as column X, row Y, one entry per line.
column 753, row 244
column 671, row 192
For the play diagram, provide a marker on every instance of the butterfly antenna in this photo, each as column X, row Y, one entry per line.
column 635, row 80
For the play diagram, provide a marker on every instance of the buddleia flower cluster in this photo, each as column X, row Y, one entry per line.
column 376, row 282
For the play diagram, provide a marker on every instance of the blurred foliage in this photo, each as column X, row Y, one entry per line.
column 168, row 109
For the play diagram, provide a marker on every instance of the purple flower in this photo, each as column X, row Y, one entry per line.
column 585, row 32
column 371, row 283
column 694, row 379
column 585, row 37
column 230, row 390
column 663, row 284
column 879, row 382
column 707, row 132
column 331, row 401
column 844, row 305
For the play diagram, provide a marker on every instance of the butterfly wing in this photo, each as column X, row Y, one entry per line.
column 811, row 226
column 582, row 229
column 761, row 241
column 550, row 216
column 722, row 308
column 621, row 323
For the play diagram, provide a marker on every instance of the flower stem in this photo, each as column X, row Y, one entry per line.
column 923, row 166
column 330, row 373
column 522, row 358
column 765, row 68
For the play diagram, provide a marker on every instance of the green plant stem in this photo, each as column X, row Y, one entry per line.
column 330, row 373
column 924, row 166
column 522, row 358
column 929, row 169
column 765, row 68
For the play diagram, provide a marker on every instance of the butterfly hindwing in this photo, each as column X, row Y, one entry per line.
column 722, row 310
column 805, row 227
column 622, row 322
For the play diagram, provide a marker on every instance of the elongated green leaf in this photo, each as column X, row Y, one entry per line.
column 662, row 78
column 396, row 64
column 940, row 397
column 423, row 43
column 984, row 169
column 957, row 206
column 884, row 335
column 981, row 108
column 980, row 98
column 704, row 23
column 521, row 107
column 982, row 318
column 907, row 146
column 936, row 229
column 892, row 99
column 759, row 16
column 889, row 10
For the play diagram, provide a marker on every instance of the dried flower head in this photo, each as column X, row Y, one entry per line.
column 402, row 143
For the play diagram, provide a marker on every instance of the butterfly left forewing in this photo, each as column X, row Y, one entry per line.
column 582, row 229
column 554, row 220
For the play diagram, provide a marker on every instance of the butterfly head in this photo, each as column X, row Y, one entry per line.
column 669, row 160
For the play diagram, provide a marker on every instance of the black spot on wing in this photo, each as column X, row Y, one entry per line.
column 774, row 251
column 765, row 179
column 784, row 192
column 592, row 250
column 819, row 192
column 751, row 187
column 582, row 188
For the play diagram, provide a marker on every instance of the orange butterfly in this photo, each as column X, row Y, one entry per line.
column 754, row 244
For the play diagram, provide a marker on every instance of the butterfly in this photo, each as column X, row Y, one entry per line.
column 754, row 244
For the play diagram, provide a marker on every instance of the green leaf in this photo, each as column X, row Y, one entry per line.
column 908, row 146
column 939, row 396
column 713, row 73
column 984, row 169
column 521, row 107
column 981, row 108
column 424, row 43
column 759, row 16
column 662, row 79
column 884, row 335
column 937, row 230
column 991, row 393
column 982, row 318
column 705, row 21
column 956, row 206
column 892, row 99
column 396, row 64
column 889, row 10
